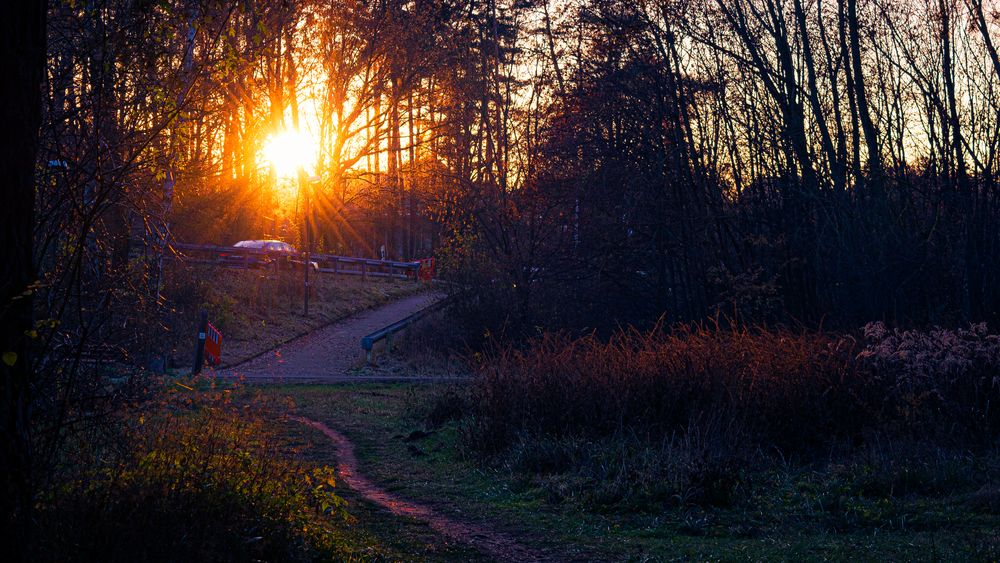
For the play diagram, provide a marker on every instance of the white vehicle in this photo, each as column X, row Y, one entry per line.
column 270, row 253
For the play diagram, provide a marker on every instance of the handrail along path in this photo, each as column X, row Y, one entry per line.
column 368, row 342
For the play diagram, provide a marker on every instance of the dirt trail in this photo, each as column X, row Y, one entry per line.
column 491, row 543
column 325, row 355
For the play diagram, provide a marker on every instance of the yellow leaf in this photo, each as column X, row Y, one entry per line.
column 10, row 358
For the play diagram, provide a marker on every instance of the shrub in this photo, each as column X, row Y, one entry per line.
column 797, row 392
column 195, row 478
column 793, row 390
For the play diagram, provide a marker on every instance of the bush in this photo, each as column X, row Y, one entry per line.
column 799, row 393
column 699, row 417
column 195, row 478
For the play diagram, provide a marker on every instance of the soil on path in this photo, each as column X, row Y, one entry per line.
column 491, row 543
column 327, row 354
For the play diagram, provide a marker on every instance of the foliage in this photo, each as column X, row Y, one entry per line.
column 190, row 476
column 582, row 165
column 685, row 413
column 791, row 390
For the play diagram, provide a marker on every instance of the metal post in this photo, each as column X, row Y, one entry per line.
column 199, row 350
column 304, row 186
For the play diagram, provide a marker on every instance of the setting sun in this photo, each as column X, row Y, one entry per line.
column 288, row 151
column 517, row 280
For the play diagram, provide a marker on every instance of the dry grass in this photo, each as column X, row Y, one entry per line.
column 791, row 390
column 684, row 415
column 190, row 476
column 797, row 391
column 257, row 310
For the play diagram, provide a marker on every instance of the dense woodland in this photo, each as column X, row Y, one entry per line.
column 581, row 164
column 828, row 160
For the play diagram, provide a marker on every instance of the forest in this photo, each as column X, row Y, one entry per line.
column 811, row 160
column 812, row 184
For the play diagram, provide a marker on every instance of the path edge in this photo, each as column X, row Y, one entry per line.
column 307, row 332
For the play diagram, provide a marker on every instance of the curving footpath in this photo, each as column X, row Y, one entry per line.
column 496, row 545
column 327, row 354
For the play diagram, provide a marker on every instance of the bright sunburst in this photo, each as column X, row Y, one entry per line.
column 288, row 151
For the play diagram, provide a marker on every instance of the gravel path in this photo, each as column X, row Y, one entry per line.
column 325, row 355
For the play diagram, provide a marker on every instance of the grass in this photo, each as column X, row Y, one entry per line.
column 188, row 475
column 397, row 539
column 813, row 511
column 193, row 475
column 427, row 348
column 257, row 310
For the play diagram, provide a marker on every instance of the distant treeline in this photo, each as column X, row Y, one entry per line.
column 825, row 162
column 582, row 163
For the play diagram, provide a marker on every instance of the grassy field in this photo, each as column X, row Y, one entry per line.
column 385, row 536
column 792, row 512
column 257, row 310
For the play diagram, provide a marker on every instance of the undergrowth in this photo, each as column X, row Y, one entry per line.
column 721, row 417
column 190, row 477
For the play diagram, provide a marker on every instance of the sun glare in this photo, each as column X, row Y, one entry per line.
column 289, row 151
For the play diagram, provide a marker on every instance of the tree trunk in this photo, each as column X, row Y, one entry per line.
column 22, row 64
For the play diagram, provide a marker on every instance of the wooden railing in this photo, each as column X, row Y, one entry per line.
column 235, row 257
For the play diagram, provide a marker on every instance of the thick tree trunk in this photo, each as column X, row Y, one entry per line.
column 812, row 92
column 22, row 63
column 860, row 94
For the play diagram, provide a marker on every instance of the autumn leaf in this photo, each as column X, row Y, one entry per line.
column 10, row 358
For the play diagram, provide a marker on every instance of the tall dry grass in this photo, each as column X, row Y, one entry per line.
column 704, row 415
column 799, row 392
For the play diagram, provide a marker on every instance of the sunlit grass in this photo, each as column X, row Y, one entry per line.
column 848, row 510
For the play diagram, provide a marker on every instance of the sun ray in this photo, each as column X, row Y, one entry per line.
column 289, row 151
